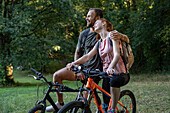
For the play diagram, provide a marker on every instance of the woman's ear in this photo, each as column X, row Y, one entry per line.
column 104, row 23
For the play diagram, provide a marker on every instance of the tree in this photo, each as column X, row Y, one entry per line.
column 150, row 47
column 30, row 30
column 36, row 32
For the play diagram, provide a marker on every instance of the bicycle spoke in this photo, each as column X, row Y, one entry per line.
column 128, row 100
column 75, row 110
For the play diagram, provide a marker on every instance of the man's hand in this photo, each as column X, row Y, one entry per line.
column 70, row 65
column 115, row 35
column 80, row 76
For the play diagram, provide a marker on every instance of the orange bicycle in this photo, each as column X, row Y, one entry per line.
column 126, row 103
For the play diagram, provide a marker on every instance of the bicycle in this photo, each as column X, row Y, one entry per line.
column 40, row 106
column 126, row 103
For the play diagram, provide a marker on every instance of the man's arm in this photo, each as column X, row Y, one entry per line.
column 78, row 51
column 77, row 54
column 84, row 58
column 116, row 36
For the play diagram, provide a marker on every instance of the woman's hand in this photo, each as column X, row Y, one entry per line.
column 70, row 65
column 110, row 71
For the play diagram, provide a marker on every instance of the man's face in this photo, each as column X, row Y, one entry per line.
column 91, row 18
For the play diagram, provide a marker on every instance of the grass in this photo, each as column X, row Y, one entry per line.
column 151, row 92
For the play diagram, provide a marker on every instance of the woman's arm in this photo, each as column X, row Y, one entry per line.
column 84, row 58
column 116, row 52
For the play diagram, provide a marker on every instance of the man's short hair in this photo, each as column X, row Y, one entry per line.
column 98, row 12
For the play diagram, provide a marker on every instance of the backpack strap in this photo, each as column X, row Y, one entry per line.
column 98, row 44
column 123, row 57
column 110, row 41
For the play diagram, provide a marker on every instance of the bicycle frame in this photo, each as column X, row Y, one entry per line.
column 48, row 97
column 92, row 85
column 62, row 88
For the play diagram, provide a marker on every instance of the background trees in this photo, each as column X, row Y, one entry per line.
column 34, row 33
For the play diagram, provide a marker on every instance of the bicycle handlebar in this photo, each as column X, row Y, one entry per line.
column 49, row 82
column 94, row 73
column 37, row 73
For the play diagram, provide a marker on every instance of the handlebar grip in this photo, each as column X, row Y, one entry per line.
column 105, row 74
column 116, row 74
column 74, row 68
column 37, row 73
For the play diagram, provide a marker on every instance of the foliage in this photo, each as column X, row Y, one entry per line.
column 31, row 29
column 149, row 32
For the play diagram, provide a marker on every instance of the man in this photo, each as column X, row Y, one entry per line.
column 83, row 47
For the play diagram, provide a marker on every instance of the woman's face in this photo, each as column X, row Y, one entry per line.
column 98, row 25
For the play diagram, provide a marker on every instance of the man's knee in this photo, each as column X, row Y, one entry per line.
column 56, row 76
column 63, row 74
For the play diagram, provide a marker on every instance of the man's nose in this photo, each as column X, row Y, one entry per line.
column 86, row 18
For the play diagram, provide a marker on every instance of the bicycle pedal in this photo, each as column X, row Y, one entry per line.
column 94, row 101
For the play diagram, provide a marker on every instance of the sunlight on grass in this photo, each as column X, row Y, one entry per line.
column 151, row 92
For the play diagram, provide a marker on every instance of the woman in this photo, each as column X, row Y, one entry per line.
column 109, row 51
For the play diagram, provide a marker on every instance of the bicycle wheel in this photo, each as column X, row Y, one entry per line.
column 127, row 98
column 37, row 109
column 75, row 107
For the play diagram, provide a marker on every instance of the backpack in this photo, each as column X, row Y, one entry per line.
column 126, row 53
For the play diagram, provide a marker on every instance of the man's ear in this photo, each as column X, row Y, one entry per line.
column 98, row 17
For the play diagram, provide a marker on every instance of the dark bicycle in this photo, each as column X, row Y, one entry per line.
column 126, row 104
column 41, row 105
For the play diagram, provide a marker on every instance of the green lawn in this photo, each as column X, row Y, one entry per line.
column 151, row 92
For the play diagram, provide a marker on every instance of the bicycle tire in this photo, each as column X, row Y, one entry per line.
column 75, row 107
column 37, row 109
column 127, row 98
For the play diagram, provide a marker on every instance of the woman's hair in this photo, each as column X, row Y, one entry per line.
column 109, row 26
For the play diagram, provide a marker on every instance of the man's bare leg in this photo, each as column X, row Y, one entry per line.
column 59, row 76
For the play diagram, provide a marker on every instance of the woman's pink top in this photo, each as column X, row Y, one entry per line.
column 106, row 54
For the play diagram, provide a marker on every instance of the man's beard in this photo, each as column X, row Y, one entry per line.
column 90, row 25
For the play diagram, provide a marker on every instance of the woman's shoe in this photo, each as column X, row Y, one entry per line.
column 110, row 111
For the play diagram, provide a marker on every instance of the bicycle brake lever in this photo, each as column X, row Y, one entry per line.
column 38, row 78
column 33, row 76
